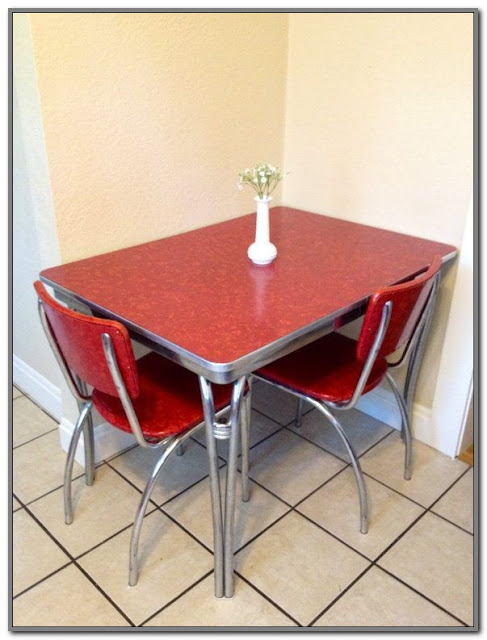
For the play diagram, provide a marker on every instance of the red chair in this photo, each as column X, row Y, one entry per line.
column 334, row 371
column 153, row 398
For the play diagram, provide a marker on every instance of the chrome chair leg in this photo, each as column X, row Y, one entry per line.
column 89, row 446
column 68, row 469
column 299, row 413
column 405, row 427
column 140, row 513
column 88, row 437
column 362, row 491
column 180, row 450
column 245, row 433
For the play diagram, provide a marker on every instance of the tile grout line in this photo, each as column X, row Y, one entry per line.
column 256, row 444
column 291, row 508
column 333, row 535
column 268, row 598
column 400, row 536
column 399, row 493
column 450, row 487
column 48, row 492
column 75, row 563
column 438, row 515
column 119, row 454
column 403, row 495
column 423, row 595
column 189, row 533
column 165, row 502
column 335, row 475
column 220, row 457
column 395, row 577
column 180, row 595
column 110, row 537
column 430, row 508
column 129, row 482
column 259, row 411
column 116, row 533
column 257, row 535
column 388, row 548
column 35, row 584
column 372, row 562
column 387, row 435
column 38, row 406
column 263, row 531
column 41, row 435
column 335, row 454
column 274, row 495
column 341, row 594
column 375, row 560
column 183, row 491
column 160, row 509
column 262, row 413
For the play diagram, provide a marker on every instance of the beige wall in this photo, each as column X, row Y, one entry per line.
column 149, row 117
column 379, row 119
column 34, row 245
column 379, row 129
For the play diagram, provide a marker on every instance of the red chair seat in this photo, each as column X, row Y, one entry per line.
column 325, row 370
column 169, row 401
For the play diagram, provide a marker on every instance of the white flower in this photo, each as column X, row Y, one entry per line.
column 263, row 178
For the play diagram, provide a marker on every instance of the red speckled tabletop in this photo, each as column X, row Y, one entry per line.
column 201, row 301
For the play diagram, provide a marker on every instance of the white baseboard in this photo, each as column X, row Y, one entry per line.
column 381, row 405
column 37, row 387
column 378, row 403
column 108, row 441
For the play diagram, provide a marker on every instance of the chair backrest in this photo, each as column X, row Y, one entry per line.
column 79, row 339
column 409, row 300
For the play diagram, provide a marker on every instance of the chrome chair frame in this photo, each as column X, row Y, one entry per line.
column 84, row 424
column 411, row 353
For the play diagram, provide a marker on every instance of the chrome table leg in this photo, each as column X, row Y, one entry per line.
column 235, row 411
column 223, row 528
column 216, row 505
column 245, row 440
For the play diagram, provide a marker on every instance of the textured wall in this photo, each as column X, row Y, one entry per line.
column 379, row 129
column 34, row 230
column 379, row 121
column 149, row 117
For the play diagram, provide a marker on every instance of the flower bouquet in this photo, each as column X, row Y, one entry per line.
column 263, row 178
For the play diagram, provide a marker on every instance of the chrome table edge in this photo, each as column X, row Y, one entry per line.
column 223, row 372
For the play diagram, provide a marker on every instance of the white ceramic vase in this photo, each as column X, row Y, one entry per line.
column 262, row 251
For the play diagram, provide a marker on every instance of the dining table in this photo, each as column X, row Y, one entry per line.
column 197, row 299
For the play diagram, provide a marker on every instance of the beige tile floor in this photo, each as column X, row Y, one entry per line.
column 300, row 559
